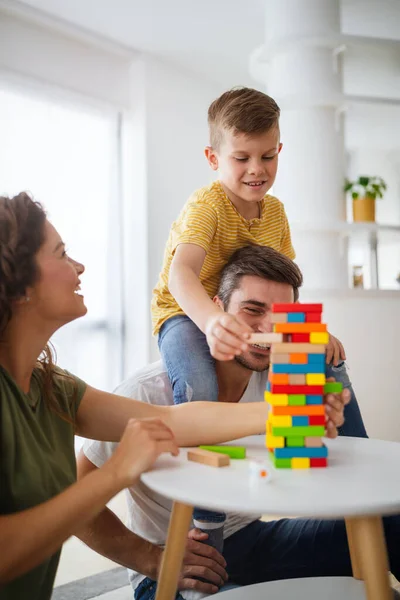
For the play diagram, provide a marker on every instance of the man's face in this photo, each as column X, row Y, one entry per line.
column 251, row 303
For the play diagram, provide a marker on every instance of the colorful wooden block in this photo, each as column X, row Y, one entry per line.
column 315, row 420
column 297, row 389
column 301, row 421
column 309, row 431
column 265, row 338
column 295, row 442
column 279, row 317
column 311, row 442
column 281, row 420
column 301, row 452
column 319, row 338
column 274, row 441
column 333, row 387
column 288, row 347
column 236, row 452
column 212, row 459
column 296, row 399
column 315, row 379
column 296, row 379
column 299, row 327
column 300, row 463
column 296, row 317
column 300, row 338
column 278, row 359
column 296, row 307
column 318, row 462
column 281, row 463
column 315, row 399
column 280, row 378
column 299, row 369
column 313, row 359
column 299, row 411
column 276, row 399
column 298, row 358
column 313, row 317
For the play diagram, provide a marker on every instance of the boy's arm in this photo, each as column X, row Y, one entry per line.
column 225, row 334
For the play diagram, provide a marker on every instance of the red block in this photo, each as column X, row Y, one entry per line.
column 318, row 462
column 313, row 317
column 297, row 389
column 296, row 307
column 316, row 420
column 301, row 337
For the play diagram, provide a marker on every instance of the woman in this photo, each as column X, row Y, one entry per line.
column 42, row 407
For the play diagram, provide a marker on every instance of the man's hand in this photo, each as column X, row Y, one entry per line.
column 334, row 351
column 201, row 560
column 226, row 336
column 334, row 407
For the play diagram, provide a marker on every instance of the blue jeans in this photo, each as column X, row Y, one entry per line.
column 146, row 590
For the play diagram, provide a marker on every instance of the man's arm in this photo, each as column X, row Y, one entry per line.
column 108, row 536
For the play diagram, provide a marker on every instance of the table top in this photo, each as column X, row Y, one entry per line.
column 362, row 479
column 310, row 588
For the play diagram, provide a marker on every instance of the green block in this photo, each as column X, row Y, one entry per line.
column 310, row 430
column 232, row 451
column 282, row 463
column 333, row 387
column 297, row 399
column 295, row 442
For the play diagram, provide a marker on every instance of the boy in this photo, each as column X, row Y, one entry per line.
column 232, row 212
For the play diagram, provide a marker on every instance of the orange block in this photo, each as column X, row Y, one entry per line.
column 298, row 359
column 299, row 327
column 299, row 411
column 280, row 378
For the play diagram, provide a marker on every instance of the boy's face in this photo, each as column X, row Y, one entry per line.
column 247, row 164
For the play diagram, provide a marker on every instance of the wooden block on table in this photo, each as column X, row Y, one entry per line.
column 280, row 378
column 296, row 379
column 301, row 463
column 281, row 463
column 313, row 317
column 296, row 307
column 212, row 459
column 311, row 430
column 300, row 338
column 297, row 317
column 296, row 399
column 294, row 411
column 279, row 318
column 290, row 348
column 265, row 338
column 313, row 442
column 300, row 327
column 315, row 379
column 300, row 358
column 297, row 389
column 318, row 462
column 236, row 452
column 276, row 399
column 301, row 452
column 319, row 338
column 274, row 441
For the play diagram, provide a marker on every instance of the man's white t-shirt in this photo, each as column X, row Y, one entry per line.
column 148, row 512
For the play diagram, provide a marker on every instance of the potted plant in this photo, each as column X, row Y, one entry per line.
column 364, row 191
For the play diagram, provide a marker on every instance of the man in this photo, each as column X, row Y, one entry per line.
column 254, row 551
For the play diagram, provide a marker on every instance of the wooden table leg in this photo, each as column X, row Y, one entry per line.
column 174, row 551
column 369, row 539
column 354, row 553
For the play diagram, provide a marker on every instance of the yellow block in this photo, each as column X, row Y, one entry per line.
column 274, row 441
column 300, row 463
column 315, row 379
column 319, row 337
column 276, row 399
column 280, row 420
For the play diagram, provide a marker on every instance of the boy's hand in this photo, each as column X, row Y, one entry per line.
column 226, row 336
column 334, row 407
column 334, row 351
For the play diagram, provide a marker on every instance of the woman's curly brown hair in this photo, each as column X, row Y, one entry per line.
column 22, row 233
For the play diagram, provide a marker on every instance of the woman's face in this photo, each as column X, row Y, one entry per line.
column 54, row 296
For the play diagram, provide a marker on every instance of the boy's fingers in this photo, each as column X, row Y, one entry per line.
column 234, row 326
column 234, row 343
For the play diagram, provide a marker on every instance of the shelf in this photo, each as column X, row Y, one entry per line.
column 344, row 228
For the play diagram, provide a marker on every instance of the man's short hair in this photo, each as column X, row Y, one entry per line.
column 241, row 110
column 260, row 261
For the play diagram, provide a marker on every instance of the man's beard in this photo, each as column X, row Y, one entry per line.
column 250, row 365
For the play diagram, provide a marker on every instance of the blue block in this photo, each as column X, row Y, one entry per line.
column 296, row 368
column 296, row 317
column 300, row 421
column 301, row 452
column 314, row 399
column 316, row 359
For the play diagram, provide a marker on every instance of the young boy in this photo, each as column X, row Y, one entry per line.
column 233, row 212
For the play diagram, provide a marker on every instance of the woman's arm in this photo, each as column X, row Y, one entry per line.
column 103, row 416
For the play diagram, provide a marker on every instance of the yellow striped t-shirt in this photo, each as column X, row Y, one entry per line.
column 210, row 220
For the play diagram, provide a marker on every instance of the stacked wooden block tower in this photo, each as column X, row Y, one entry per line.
column 296, row 386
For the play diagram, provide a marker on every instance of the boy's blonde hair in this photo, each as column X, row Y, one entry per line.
column 241, row 110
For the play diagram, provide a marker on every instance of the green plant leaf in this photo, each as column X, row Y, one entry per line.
column 363, row 180
column 354, row 195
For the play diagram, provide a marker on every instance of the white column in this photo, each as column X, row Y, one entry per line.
column 304, row 78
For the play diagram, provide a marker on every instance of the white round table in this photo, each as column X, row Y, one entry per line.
column 360, row 484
